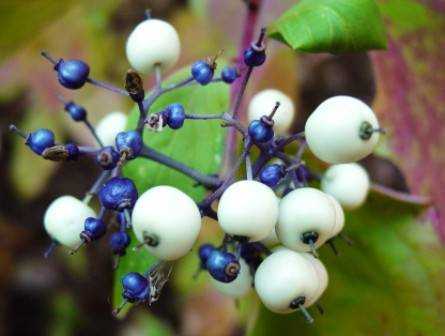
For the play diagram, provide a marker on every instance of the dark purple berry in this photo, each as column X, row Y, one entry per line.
column 40, row 140
column 72, row 74
column 130, row 143
column 223, row 266
column 118, row 194
column 202, row 72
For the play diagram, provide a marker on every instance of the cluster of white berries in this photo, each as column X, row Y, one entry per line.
column 293, row 223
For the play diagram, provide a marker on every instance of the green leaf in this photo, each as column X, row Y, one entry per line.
column 198, row 144
column 388, row 283
column 333, row 26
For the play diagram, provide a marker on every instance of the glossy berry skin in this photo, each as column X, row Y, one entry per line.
column 260, row 132
column 175, row 115
column 118, row 194
column 94, row 228
column 254, row 57
column 130, row 143
column 119, row 241
column 72, row 150
column 272, row 174
column 40, row 140
column 202, row 72
column 107, row 158
column 76, row 112
column 239, row 287
column 223, row 266
column 135, row 287
column 204, row 252
column 229, row 74
column 72, row 74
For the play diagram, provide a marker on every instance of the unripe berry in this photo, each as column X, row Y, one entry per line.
column 168, row 234
column 307, row 217
column 286, row 277
column 108, row 127
column 72, row 74
column 263, row 103
column 204, row 252
column 72, row 151
column 119, row 242
column 64, row 220
column 347, row 183
column 129, row 143
column 342, row 129
column 135, row 287
column 260, row 131
column 76, row 112
column 202, row 72
column 254, row 56
column 223, row 266
column 272, row 174
column 249, row 209
column 175, row 116
column 118, row 194
column 39, row 140
column 239, row 287
column 94, row 228
column 229, row 74
column 153, row 42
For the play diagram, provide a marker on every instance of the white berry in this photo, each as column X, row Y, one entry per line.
column 271, row 239
column 153, row 42
column 168, row 219
column 240, row 286
column 285, row 276
column 339, row 217
column 334, row 130
column 347, row 183
column 305, row 212
column 322, row 276
column 109, row 126
column 64, row 220
column 263, row 103
column 249, row 209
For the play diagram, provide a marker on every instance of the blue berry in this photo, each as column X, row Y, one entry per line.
column 72, row 74
column 175, row 115
column 118, row 194
column 204, row 252
column 251, row 252
column 254, row 56
column 259, row 131
column 107, row 158
column 72, row 150
column 94, row 228
column 40, row 140
column 202, row 72
column 223, row 266
column 76, row 112
column 229, row 74
column 272, row 174
column 119, row 242
column 136, row 287
column 130, row 143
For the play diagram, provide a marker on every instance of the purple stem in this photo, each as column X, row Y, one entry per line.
column 401, row 196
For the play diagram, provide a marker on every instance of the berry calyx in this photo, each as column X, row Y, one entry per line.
column 229, row 74
column 174, row 116
column 107, row 158
column 129, row 143
column 118, row 194
column 272, row 174
column 203, row 71
column 72, row 74
column 135, row 287
column 223, row 266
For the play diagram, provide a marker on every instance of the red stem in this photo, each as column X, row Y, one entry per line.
column 252, row 11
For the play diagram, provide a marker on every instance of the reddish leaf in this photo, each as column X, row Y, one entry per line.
column 410, row 100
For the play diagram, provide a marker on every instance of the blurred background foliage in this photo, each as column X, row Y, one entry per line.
column 388, row 283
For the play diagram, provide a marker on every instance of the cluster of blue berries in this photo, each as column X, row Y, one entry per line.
column 273, row 206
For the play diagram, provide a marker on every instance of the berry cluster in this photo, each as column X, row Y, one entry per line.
column 273, row 205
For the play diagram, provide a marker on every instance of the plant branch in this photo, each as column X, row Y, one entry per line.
column 401, row 196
